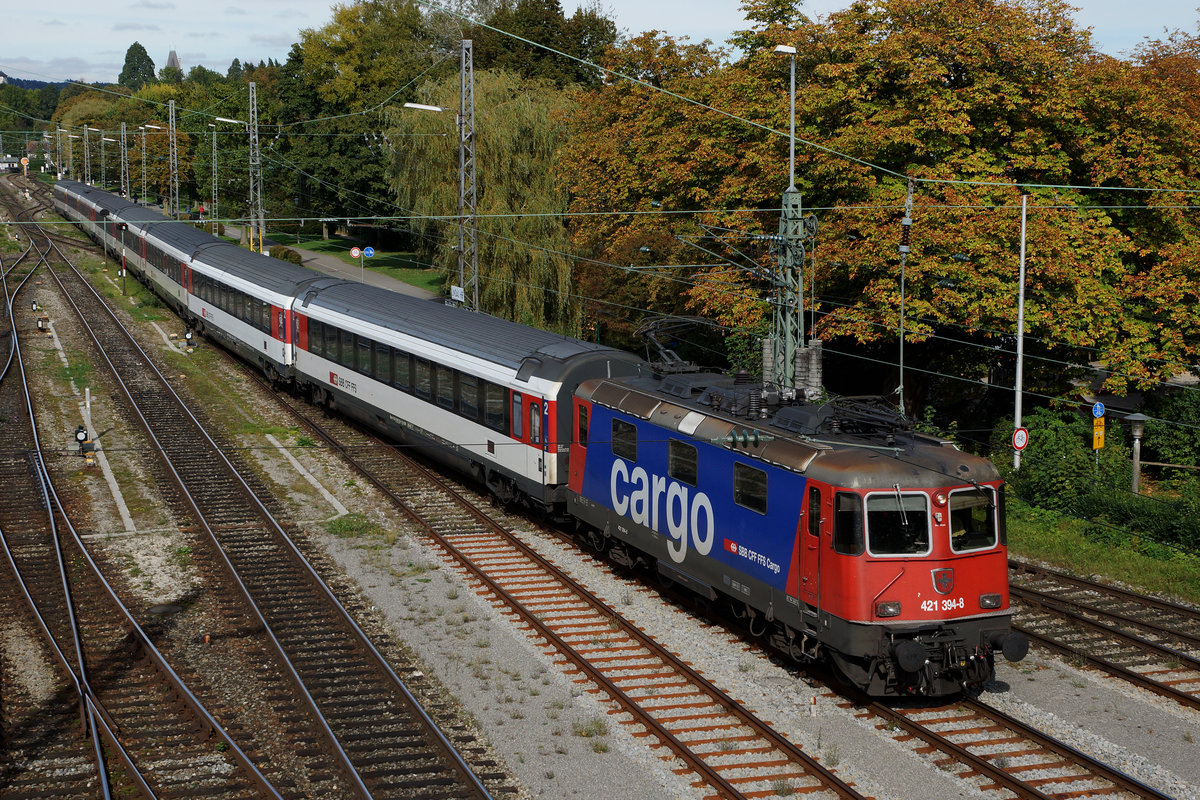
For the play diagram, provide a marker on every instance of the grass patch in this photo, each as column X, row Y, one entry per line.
column 353, row 525
column 1064, row 543
column 588, row 730
column 399, row 265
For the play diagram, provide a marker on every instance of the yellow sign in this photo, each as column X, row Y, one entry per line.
column 1097, row 433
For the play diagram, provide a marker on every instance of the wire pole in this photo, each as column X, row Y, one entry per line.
column 174, row 164
column 905, row 238
column 87, row 157
column 124, row 163
column 468, row 253
column 257, row 219
column 1020, row 379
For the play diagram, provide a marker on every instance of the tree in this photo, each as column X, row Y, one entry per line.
column 138, row 69
column 525, row 273
column 234, row 73
column 527, row 38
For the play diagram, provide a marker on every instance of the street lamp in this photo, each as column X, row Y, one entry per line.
column 1138, row 423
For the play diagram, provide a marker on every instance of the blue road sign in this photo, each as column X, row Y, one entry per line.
column 1097, row 409
column 370, row 251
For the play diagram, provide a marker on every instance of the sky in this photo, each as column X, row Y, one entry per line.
column 86, row 40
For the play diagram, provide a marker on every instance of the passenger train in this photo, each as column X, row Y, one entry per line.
column 834, row 529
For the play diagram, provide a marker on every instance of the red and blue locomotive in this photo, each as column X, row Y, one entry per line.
column 835, row 528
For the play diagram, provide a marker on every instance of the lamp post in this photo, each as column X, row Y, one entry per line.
column 1020, row 373
column 787, row 335
column 1138, row 423
column 788, row 50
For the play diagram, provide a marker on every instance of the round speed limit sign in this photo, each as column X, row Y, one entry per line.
column 1020, row 438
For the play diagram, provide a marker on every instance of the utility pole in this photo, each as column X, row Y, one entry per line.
column 58, row 131
column 103, row 162
column 124, row 163
column 174, row 164
column 87, row 157
column 468, row 253
column 905, row 235
column 142, row 128
column 212, row 208
column 257, row 219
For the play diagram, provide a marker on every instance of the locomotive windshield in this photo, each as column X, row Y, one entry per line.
column 972, row 519
column 897, row 524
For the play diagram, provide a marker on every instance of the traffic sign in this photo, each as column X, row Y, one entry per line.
column 355, row 252
column 1098, row 433
column 368, row 252
column 1098, row 410
column 1020, row 439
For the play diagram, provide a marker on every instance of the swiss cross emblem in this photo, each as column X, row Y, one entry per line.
column 943, row 580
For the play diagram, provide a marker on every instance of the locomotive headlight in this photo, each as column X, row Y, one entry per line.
column 940, row 498
column 891, row 608
column 989, row 601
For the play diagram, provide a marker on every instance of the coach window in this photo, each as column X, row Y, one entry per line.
column 897, row 524
column 750, row 487
column 316, row 337
column 383, row 363
column 347, row 359
column 516, row 415
column 468, row 396
column 444, row 386
column 403, row 371
column 365, row 347
column 681, row 462
column 847, row 524
column 972, row 519
column 331, row 342
column 422, row 380
column 493, row 407
column 814, row 511
column 624, row 440
column 265, row 312
column 535, row 422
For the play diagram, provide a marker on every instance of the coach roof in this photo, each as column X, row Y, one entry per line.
column 498, row 340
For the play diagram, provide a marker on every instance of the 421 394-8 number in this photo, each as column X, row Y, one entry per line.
column 949, row 604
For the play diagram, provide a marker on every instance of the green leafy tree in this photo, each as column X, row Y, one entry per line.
column 525, row 273
column 138, row 69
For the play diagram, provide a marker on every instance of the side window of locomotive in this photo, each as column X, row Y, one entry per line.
column 468, row 396
column 517, row 415
column 972, row 519
column 364, row 347
column 422, row 380
column 582, row 424
column 624, row 440
column 750, row 487
column 681, row 462
column 847, row 524
column 493, row 407
column 444, row 386
column 535, row 422
column 814, row 511
column 897, row 524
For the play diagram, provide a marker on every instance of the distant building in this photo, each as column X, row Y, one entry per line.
column 173, row 61
column 3, row 78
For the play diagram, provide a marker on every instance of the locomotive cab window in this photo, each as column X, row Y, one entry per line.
column 681, row 462
column 581, row 412
column 848, row 524
column 972, row 519
column 624, row 440
column 897, row 524
column 814, row 511
column 750, row 487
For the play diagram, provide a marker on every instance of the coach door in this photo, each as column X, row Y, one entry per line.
column 810, row 560
column 528, row 426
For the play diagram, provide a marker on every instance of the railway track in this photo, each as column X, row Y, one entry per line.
column 76, row 662
column 1151, row 643
column 710, row 736
column 389, row 745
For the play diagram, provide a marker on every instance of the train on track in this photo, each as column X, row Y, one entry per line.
column 835, row 529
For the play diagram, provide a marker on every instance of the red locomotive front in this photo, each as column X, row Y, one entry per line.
column 915, row 585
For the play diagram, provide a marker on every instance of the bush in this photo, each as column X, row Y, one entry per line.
column 286, row 254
